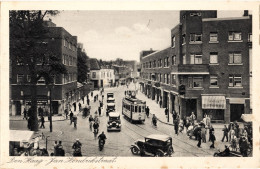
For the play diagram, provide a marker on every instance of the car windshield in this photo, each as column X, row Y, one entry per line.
column 111, row 101
column 113, row 118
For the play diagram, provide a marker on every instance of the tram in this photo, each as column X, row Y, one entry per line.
column 133, row 108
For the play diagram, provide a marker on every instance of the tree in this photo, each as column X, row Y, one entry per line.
column 82, row 66
column 29, row 47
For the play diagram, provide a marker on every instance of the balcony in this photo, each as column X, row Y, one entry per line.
column 193, row 69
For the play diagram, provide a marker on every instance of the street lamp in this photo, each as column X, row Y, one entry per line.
column 50, row 116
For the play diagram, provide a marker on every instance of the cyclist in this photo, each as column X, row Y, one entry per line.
column 91, row 120
column 77, row 148
column 95, row 126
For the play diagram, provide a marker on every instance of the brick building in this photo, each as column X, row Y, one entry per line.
column 64, row 89
column 210, row 57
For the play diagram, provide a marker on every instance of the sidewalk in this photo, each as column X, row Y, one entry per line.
column 159, row 112
column 20, row 118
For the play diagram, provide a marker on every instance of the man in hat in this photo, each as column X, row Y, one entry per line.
column 243, row 146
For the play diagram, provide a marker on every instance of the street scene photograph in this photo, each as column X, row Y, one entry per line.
column 130, row 83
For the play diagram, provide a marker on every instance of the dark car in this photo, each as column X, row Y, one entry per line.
column 114, row 122
column 110, row 108
column 155, row 145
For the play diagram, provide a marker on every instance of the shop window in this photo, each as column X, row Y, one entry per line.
column 213, row 57
column 235, row 58
column 234, row 36
column 235, row 81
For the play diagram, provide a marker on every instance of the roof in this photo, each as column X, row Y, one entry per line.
column 94, row 65
column 158, row 137
column 110, row 104
column 114, row 114
column 110, row 98
column 225, row 19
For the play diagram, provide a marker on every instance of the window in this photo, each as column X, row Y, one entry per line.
column 195, row 37
column 64, row 42
column 195, row 14
column 173, row 41
column 250, row 37
column 150, row 64
column 93, row 74
column 213, row 81
column 190, row 85
column 19, row 60
column 213, row 58
column 197, row 82
column 161, row 62
column 235, row 80
column 195, row 59
column 20, row 78
column 41, row 81
column 174, row 60
column 213, row 37
column 184, row 59
column 154, row 63
column 235, row 58
column 29, row 78
column 165, row 63
column 234, row 36
column 183, row 39
column 160, row 77
column 173, row 79
column 165, row 78
column 168, row 78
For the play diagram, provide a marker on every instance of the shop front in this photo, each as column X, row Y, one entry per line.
column 214, row 106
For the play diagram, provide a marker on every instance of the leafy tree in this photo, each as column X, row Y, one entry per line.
column 82, row 65
column 29, row 47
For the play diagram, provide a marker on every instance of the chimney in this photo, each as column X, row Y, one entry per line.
column 245, row 13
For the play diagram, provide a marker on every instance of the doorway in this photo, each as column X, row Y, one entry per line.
column 236, row 110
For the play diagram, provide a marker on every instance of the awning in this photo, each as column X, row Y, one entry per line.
column 20, row 135
column 213, row 102
column 247, row 117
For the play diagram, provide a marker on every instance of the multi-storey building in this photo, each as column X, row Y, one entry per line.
column 64, row 89
column 210, row 57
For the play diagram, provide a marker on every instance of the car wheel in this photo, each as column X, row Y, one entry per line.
column 135, row 150
column 170, row 151
column 158, row 154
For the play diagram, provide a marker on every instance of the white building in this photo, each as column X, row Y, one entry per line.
column 102, row 77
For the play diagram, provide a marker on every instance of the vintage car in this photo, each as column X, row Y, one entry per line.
column 110, row 108
column 154, row 144
column 114, row 122
column 110, row 100
column 109, row 95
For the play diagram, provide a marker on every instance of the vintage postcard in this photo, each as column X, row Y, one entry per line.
column 129, row 84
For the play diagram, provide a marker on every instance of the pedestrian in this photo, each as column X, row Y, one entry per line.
column 225, row 133
column 74, row 104
column 174, row 115
column 211, row 130
column 79, row 106
column 91, row 94
column 88, row 101
column 71, row 117
column 166, row 112
column 192, row 117
column 102, row 97
column 25, row 114
column 176, row 126
column 60, row 149
column 147, row 110
column 99, row 111
column 42, row 120
column 230, row 127
column 100, row 104
column 181, row 126
column 199, row 138
column 212, row 139
column 75, row 121
column 203, row 133
column 160, row 103
column 66, row 113
column 243, row 146
column 208, row 121
column 184, row 122
column 29, row 125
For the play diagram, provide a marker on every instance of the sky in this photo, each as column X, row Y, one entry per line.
column 108, row 35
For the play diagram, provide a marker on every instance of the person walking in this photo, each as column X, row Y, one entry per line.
column 99, row 111
column 66, row 113
column 88, row 101
column 203, row 133
column 55, row 148
column 211, row 130
column 192, row 117
column 199, row 138
column 243, row 146
column 147, row 111
column 225, row 133
column 25, row 114
column 79, row 106
column 42, row 121
column 176, row 126
column 212, row 139
column 75, row 119
column 71, row 117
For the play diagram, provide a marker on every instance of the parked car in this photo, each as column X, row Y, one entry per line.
column 155, row 145
column 114, row 122
column 110, row 100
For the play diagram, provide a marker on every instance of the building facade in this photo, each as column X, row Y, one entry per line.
column 209, row 58
column 64, row 88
